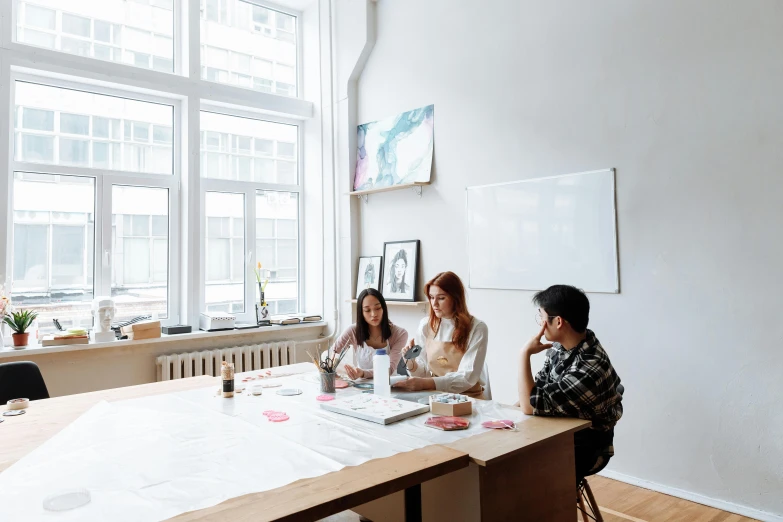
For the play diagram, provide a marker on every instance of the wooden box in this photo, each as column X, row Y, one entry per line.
column 452, row 410
column 139, row 331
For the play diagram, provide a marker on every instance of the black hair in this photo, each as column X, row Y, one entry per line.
column 362, row 328
column 567, row 302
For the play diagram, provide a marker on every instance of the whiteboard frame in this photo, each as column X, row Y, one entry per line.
column 615, row 242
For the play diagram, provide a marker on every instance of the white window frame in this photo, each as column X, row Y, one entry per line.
column 249, row 190
column 105, row 179
column 189, row 94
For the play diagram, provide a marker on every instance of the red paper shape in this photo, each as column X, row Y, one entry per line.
column 499, row 424
column 447, row 423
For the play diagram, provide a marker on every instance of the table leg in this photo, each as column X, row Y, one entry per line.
column 413, row 504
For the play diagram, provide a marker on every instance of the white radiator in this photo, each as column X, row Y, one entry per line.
column 245, row 358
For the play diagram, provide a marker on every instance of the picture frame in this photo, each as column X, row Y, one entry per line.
column 369, row 274
column 400, row 270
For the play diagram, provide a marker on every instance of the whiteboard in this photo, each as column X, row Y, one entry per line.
column 531, row 234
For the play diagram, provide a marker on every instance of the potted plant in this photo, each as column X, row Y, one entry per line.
column 19, row 322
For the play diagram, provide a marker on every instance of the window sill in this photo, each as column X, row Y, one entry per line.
column 9, row 352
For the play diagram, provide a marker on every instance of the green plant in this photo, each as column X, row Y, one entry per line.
column 19, row 322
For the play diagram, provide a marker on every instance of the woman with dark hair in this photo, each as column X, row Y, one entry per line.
column 455, row 344
column 372, row 331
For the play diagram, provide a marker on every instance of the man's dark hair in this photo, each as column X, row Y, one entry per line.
column 565, row 301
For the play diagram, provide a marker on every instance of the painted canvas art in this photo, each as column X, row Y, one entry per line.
column 395, row 151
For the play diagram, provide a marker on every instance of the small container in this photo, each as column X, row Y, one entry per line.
column 18, row 404
column 451, row 404
column 227, row 374
column 327, row 382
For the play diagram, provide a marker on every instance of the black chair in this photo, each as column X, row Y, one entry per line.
column 21, row 380
column 583, row 492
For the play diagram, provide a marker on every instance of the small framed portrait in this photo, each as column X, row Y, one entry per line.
column 401, row 258
column 369, row 275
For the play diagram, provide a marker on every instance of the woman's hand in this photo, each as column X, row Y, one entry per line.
column 410, row 345
column 412, row 384
column 354, row 373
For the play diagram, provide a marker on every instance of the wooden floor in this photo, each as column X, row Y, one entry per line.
column 623, row 503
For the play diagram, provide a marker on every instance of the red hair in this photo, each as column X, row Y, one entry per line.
column 450, row 283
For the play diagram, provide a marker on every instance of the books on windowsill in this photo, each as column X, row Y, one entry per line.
column 61, row 340
column 296, row 319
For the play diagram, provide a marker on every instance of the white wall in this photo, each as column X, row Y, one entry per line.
column 684, row 99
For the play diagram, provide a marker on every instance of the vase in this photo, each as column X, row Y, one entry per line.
column 263, row 309
column 20, row 339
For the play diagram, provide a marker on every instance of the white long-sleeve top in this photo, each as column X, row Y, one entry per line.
column 471, row 367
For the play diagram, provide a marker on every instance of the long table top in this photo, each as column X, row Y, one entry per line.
column 308, row 499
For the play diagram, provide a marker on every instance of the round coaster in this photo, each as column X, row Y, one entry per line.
column 364, row 386
column 340, row 384
column 14, row 413
column 270, row 385
column 325, row 398
column 289, row 391
column 499, row 424
column 278, row 418
column 67, row 501
column 257, row 390
column 267, row 413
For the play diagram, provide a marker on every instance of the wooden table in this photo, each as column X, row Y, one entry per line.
column 524, row 475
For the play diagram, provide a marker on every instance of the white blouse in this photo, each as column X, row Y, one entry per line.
column 471, row 368
column 362, row 356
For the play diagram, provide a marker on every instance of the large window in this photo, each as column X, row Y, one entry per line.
column 140, row 244
column 226, row 267
column 53, row 249
column 113, row 188
column 277, row 246
column 249, row 45
column 138, row 33
column 84, row 129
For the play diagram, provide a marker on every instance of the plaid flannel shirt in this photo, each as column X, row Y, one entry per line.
column 579, row 383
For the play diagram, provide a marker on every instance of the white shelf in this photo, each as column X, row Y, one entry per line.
column 364, row 194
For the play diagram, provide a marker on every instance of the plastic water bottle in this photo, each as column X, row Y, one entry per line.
column 380, row 369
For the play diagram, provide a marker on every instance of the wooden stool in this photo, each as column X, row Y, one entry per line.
column 585, row 494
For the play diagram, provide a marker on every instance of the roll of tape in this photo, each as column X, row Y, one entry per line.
column 18, row 404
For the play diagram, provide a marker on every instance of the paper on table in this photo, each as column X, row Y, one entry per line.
column 155, row 457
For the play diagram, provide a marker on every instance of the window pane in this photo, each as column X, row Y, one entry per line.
column 36, row 16
column 100, row 155
column 265, row 227
column 148, row 28
column 250, row 39
column 231, row 133
column 278, row 248
column 74, row 152
column 76, row 25
column 286, row 150
column 139, row 262
column 225, row 258
column 37, row 119
column 54, row 245
column 37, row 148
column 286, row 172
column 161, row 134
column 74, row 124
column 110, row 114
column 100, row 127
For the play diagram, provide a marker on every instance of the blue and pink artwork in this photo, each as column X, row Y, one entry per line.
column 395, row 151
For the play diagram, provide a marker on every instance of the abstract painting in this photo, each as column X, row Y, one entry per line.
column 395, row 151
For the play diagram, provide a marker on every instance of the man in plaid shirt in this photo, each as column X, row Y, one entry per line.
column 577, row 379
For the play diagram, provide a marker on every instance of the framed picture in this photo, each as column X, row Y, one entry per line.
column 369, row 274
column 401, row 258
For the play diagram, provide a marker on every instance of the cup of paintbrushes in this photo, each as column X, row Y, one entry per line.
column 327, row 382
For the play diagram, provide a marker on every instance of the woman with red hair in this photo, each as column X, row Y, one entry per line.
column 455, row 344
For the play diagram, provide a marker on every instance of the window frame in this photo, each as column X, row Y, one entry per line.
column 188, row 93
column 249, row 189
column 105, row 180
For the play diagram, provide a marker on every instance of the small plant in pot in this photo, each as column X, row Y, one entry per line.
column 19, row 322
